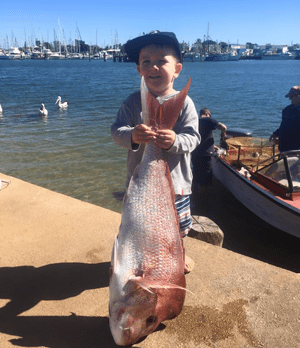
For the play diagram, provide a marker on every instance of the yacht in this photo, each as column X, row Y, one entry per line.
column 13, row 53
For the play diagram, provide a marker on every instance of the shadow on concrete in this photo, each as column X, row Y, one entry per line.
column 59, row 332
column 26, row 286
column 244, row 232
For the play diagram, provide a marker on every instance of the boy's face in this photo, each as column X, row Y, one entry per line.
column 160, row 67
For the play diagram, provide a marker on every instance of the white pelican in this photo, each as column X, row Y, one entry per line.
column 60, row 103
column 0, row 109
column 43, row 110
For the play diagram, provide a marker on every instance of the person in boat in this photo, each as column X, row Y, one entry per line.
column 158, row 58
column 288, row 133
column 201, row 156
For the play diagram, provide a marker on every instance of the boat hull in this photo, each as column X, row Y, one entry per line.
column 277, row 212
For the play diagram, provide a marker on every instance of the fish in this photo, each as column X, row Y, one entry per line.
column 147, row 281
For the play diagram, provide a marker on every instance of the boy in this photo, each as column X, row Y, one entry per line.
column 158, row 59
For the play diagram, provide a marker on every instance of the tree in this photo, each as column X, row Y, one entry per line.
column 198, row 45
column 184, row 46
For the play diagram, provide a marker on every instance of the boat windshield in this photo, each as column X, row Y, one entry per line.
column 285, row 170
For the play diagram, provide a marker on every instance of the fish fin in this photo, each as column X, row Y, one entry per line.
column 144, row 92
column 114, row 260
column 150, row 106
column 148, row 284
column 171, row 108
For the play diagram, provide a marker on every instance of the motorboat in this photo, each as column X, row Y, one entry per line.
column 279, row 55
column 57, row 56
column 264, row 180
column 14, row 53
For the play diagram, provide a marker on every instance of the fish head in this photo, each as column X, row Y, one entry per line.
column 142, row 309
column 134, row 316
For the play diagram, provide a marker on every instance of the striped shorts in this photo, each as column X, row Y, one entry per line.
column 182, row 204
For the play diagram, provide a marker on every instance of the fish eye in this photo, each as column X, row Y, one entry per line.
column 151, row 320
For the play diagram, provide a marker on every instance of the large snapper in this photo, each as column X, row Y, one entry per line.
column 147, row 283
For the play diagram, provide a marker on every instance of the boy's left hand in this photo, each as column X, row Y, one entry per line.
column 165, row 138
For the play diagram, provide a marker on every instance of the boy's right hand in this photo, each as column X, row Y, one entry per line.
column 142, row 134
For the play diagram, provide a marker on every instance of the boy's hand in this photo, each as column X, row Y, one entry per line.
column 165, row 138
column 142, row 134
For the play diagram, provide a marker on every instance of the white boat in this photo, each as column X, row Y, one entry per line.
column 74, row 56
column 278, row 56
column 57, row 55
column 268, row 186
column 233, row 56
column 36, row 54
column 47, row 54
column 13, row 53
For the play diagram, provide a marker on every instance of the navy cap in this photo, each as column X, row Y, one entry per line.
column 155, row 37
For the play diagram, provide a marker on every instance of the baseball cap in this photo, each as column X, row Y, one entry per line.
column 156, row 37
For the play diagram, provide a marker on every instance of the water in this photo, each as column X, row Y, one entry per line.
column 71, row 151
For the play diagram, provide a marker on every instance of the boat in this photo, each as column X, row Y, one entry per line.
column 14, row 53
column 74, row 56
column 234, row 56
column 192, row 57
column 57, row 56
column 277, row 56
column 264, row 180
column 216, row 57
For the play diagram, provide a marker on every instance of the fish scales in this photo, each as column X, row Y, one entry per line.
column 150, row 216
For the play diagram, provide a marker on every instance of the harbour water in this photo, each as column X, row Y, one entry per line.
column 71, row 151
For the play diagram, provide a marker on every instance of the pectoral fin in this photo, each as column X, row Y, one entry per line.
column 148, row 284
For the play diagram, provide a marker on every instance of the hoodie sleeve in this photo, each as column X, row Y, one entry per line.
column 186, row 129
column 129, row 115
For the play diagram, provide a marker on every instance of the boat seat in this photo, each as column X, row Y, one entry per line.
column 284, row 182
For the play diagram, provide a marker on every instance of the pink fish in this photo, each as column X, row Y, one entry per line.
column 147, row 282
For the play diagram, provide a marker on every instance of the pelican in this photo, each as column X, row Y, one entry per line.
column 43, row 110
column 0, row 109
column 60, row 103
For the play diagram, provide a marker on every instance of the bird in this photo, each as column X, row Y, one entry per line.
column 60, row 103
column 0, row 109
column 43, row 110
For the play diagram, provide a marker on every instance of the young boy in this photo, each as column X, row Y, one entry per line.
column 158, row 59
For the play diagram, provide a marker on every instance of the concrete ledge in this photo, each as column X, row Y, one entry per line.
column 54, row 259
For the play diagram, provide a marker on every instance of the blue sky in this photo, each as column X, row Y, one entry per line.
column 107, row 22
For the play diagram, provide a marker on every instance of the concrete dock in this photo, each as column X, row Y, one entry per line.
column 54, row 259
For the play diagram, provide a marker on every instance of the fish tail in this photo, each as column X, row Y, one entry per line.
column 162, row 116
column 169, row 111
